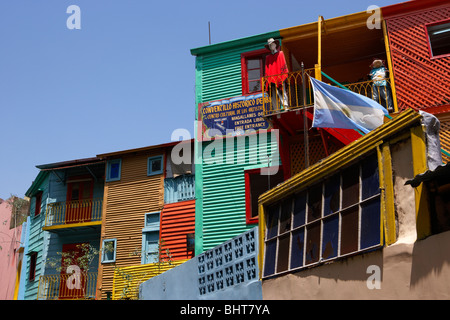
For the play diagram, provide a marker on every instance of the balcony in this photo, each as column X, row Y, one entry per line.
column 177, row 189
column 297, row 97
column 69, row 214
column 67, row 286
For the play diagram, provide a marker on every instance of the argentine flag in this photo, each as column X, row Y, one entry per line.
column 340, row 108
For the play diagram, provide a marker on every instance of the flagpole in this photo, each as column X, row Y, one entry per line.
column 305, row 127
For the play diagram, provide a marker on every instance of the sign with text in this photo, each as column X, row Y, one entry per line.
column 233, row 117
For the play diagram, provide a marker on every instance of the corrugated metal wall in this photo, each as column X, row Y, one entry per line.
column 219, row 76
column 224, row 188
column 220, row 73
column 420, row 81
column 125, row 204
column 36, row 242
column 128, row 279
column 177, row 220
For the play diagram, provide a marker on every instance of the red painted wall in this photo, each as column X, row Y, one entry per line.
column 177, row 220
column 421, row 81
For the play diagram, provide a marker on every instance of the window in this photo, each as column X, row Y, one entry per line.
column 38, row 203
column 255, row 185
column 109, row 250
column 113, row 170
column 252, row 66
column 439, row 38
column 33, row 262
column 155, row 165
column 331, row 219
column 150, row 238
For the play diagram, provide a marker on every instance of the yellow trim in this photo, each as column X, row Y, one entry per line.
column 262, row 232
column 17, row 284
column 73, row 225
column 319, row 49
column 390, row 66
column 383, row 194
column 333, row 25
column 387, row 199
column 423, row 224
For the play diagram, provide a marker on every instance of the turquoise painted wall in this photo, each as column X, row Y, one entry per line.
column 37, row 239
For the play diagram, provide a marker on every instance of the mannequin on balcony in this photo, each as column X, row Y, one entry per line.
column 276, row 73
column 381, row 91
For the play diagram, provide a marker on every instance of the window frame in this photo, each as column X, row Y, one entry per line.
column 249, row 218
column 104, row 260
column 33, row 264
column 108, row 170
column 150, row 229
column 430, row 49
column 38, row 203
column 274, row 233
column 245, row 56
column 150, row 172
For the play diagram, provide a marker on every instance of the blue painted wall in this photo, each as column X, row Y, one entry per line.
column 229, row 271
column 45, row 243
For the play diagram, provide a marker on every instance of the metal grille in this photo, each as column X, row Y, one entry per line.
column 316, row 153
column 421, row 82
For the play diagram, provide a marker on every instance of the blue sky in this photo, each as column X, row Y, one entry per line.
column 124, row 80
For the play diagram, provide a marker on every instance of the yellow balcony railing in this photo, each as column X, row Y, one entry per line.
column 72, row 212
column 67, row 286
column 291, row 94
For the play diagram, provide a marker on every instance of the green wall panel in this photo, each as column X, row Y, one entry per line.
column 223, row 204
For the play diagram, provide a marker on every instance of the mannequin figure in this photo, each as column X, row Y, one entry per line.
column 276, row 72
column 381, row 91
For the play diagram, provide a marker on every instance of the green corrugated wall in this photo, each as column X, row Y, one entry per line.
column 218, row 76
column 224, row 187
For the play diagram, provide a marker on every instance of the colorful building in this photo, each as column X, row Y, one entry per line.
column 148, row 216
column 65, row 219
column 343, row 198
column 13, row 213
column 233, row 143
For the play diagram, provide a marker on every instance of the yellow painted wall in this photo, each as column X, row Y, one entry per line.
column 127, row 279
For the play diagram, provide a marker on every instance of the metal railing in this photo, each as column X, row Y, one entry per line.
column 181, row 188
column 290, row 94
column 67, row 286
column 70, row 212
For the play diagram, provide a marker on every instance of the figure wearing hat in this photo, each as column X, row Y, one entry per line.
column 381, row 92
column 276, row 72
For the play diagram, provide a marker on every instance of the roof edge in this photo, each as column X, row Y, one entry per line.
column 234, row 43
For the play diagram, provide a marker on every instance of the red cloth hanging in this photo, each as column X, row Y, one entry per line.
column 276, row 66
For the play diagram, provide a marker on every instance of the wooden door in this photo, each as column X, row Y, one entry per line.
column 72, row 281
column 79, row 201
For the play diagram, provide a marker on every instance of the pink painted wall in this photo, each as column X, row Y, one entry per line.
column 9, row 255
